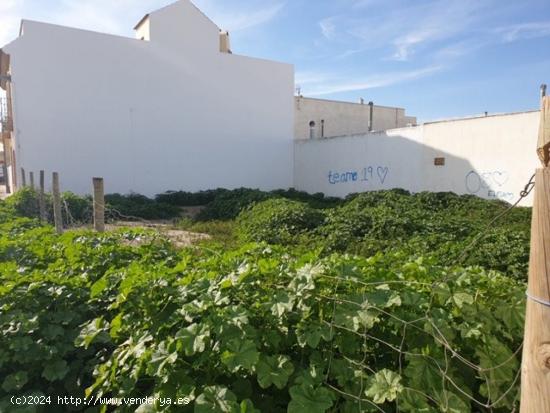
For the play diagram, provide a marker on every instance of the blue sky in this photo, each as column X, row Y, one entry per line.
column 436, row 58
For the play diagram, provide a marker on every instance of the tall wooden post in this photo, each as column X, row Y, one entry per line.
column 41, row 201
column 535, row 374
column 58, row 219
column 99, row 205
column 31, row 179
column 23, row 177
column 535, row 368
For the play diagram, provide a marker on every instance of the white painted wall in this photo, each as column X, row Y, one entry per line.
column 491, row 157
column 166, row 114
column 344, row 118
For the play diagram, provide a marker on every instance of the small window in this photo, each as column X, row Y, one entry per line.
column 311, row 129
column 439, row 161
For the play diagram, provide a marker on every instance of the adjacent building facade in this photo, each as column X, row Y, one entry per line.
column 321, row 118
column 170, row 109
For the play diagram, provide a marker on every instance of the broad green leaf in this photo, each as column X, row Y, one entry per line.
column 451, row 403
column 311, row 332
column 95, row 330
column 160, row 358
column 15, row 381
column 384, row 386
column 283, row 304
column 493, row 354
column 308, row 399
column 247, row 406
column 55, row 370
column 240, row 354
column 274, row 370
column 411, row 401
column 459, row 299
column 116, row 325
column 193, row 338
column 423, row 374
column 98, row 287
column 216, row 399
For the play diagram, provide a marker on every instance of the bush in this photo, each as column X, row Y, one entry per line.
column 373, row 218
column 75, row 209
column 24, row 203
column 255, row 328
column 182, row 198
column 262, row 326
column 228, row 205
column 317, row 200
column 135, row 206
column 501, row 249
column 278, row 221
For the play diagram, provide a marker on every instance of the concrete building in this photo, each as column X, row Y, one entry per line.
column 321, row 118
column 170, row 109
column 174, row 109
column 492, row 157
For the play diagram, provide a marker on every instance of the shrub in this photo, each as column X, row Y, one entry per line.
column 75, row 209
column 24, row 203
column 371, row 218
column 226, row 204
column 229, row 204
column 317, row 200
column 501, row 249
column 182, row 198
column 135, row 206
column 278, row 221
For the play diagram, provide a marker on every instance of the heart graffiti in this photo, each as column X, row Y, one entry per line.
column 382, row 172
column 476, row 181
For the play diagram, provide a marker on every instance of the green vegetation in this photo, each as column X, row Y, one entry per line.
column 301, row 304
column 278, row 221
column 78, row 210
column 444, row 226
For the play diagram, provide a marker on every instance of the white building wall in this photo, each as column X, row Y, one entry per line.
column 172, row 113
column 491, row 157
column 344, row 118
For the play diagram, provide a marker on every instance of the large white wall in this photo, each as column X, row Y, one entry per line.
column 166, row 114
column 492, row 157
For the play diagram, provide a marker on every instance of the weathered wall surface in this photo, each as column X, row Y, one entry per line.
column 148, row 116
column 491, row 157
column 344, row 118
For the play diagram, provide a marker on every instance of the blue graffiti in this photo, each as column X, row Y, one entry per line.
column 366, row 174
column 482, row 184
column 342, row 177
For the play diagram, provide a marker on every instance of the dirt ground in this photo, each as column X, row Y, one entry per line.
column 178, row 237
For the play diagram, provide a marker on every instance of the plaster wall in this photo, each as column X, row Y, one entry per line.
column 491, row 157
column 149, row 116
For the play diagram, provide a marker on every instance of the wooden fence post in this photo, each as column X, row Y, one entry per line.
column 23, row 178
column 41, row 202
column 535, row 373
column 58, row 219
column 535, row 368
column 31, row 179
column 99, row 205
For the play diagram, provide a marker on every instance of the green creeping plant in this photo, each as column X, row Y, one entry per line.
column 271, row 327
